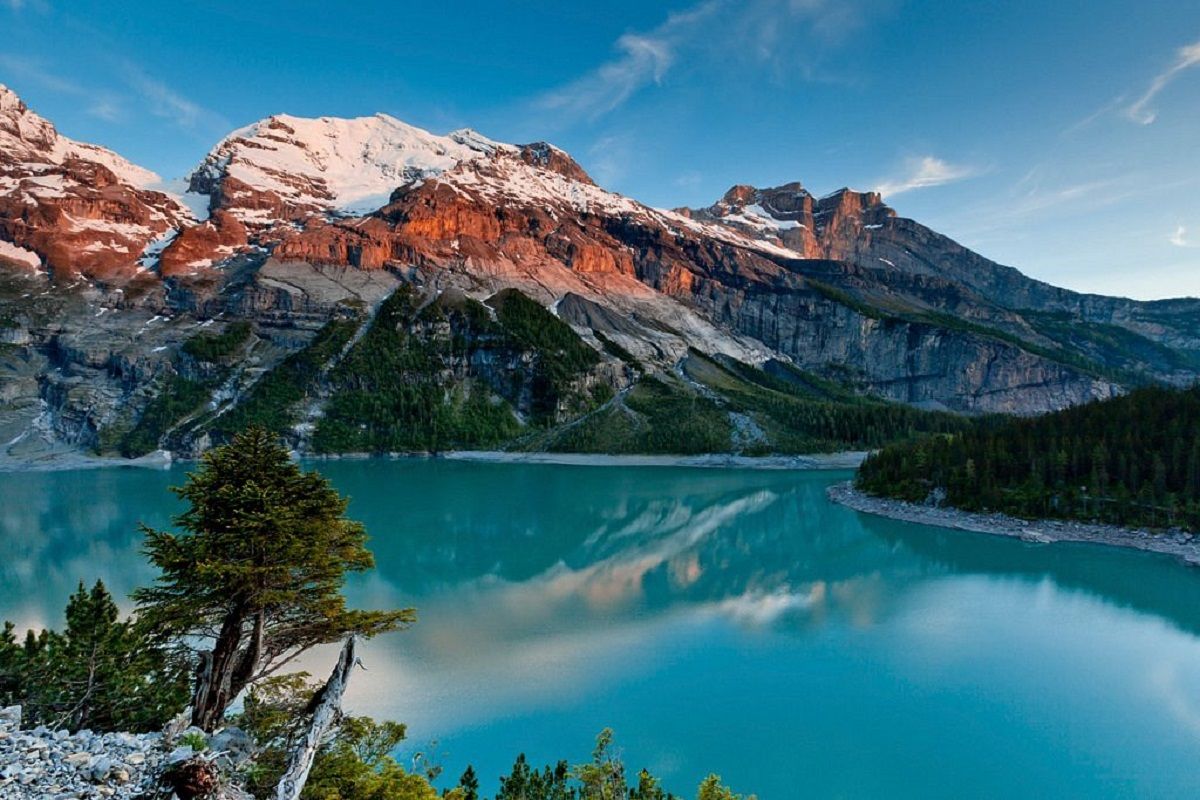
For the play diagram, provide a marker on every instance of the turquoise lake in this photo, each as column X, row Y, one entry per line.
column 731, row 621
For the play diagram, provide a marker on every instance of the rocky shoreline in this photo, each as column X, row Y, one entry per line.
column 62, row 460
column 1181, row 545
column 59, row 765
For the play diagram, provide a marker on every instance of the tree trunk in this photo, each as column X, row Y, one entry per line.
column 327, row 712
column 213, row 679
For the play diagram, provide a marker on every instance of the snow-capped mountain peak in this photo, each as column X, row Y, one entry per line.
column 287, row 166
column 26, row 136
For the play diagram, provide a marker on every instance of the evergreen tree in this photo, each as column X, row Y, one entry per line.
column 604, row 777
column 469, row 784
column 1132, row 460
column 100, row 672
column 527, row 783
column 711, row 788
column 257, row 571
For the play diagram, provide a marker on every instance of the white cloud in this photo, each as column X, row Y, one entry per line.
column 155, row 96
column 162, row 100
column 1185, row 58
column 34, row 70
column 1179, row 237
column 645, row 58
column 21, row 5
column 924, row 172
column 608, row 158
column 786, row 36
column 106, row 109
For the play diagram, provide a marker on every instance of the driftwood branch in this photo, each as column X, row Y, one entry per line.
column 325, row 714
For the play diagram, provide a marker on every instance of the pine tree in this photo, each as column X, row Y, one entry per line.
column 258, row 570
column 469, row 784
column 100, row 672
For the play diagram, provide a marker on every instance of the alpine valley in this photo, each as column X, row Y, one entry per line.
column 361, row 285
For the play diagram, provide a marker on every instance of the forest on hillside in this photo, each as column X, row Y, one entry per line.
column 1131, row 460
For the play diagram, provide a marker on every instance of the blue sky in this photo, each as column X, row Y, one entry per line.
column 1059, row 137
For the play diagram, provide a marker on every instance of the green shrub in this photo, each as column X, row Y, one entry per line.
column 215, row 347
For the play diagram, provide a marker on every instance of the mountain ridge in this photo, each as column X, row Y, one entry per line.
column 279, row 228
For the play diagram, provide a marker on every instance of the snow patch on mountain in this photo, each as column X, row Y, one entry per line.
column 26, row 136
column 346, row 165
column 20, row 255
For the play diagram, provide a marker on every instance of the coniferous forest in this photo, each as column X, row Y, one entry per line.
column 1131, row 460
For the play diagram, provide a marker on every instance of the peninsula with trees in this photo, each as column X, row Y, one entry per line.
column 1129, row 467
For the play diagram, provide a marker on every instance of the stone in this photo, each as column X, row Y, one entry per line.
column 100, row 768
column 235, row 743
column 10, row 715
column 181, row 753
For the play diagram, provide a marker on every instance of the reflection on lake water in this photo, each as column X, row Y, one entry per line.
column 720, row 620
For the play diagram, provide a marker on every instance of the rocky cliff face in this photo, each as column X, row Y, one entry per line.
column 291, row 223
column 73, row 209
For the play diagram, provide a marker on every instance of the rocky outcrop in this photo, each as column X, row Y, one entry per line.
column 73, row 209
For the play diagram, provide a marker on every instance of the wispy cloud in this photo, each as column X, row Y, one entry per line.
column 107, row 109
column 644, row 58
column 1179, row 237
column 713, row 34
column 163, row 101
column 608, row 158
column 140, row 90
column 102, row 105
column 35, row 70
column 924, row 172
column 1109, row 107
column 1185, row 58
column 689, row 179
column 21, row 5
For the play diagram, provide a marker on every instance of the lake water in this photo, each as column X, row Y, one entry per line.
column 731, row 621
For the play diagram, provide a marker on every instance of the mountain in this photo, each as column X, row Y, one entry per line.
column 525, row 305
column 75, row 209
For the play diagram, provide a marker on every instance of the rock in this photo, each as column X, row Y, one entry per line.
column 235, row 743
column 99, row 768
column 181, row 753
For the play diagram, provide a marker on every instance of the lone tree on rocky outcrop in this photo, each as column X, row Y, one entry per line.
column 257, row 571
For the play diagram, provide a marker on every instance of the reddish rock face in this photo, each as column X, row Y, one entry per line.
column 198, row 246
column 547, row 156
column 817, row 228
column 83, row 210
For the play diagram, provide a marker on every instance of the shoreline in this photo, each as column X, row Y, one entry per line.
column 59, row 461
column 62, row 461
column 813, row 461
column 1183, row 546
